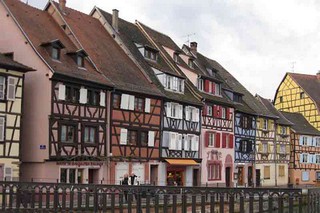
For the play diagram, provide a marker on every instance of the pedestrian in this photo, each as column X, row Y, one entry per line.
column 133, row 181
column 125, row 181
column 170, row 180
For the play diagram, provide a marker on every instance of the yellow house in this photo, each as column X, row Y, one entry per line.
column 300, row 93
column 11, row 87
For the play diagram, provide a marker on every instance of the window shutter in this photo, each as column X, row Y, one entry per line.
column 301, row 140
column 217, row 140
column 269, row 148
column 123, row 136
column 186, row 143
column 278, row 148
column 182, row 86
column 287, row 149
column 131, row 102
column 147, row 105
column 260, row 147
column 83, row 95
column 187, row 113
column 179, row 142
column 124, row 101
column 172, row 141
column 151, row 138
column 2, row 128
column 195, row 143
column 231, row 141
column 206, row 86
column 224, row 140
column 3, row 84
column 213, row 88
column 102, row 98
column 215, row 111
column 206, row 139
column 11, row 89
column 228, row 114
column 180, row 107
column 165, row 139
column 204, row 110
column 62, row 92
column 168, row 110
column 196, row 115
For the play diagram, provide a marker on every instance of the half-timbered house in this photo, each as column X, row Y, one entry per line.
column 304, row 167
column 135, row 103
column 300, row 93
column 11, row 98
column 281, row 147
column 65, row 113
column 180, row 112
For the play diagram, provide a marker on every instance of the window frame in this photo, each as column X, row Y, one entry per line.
column 96, row 133
column 56, row 56
column 130, row 137
column 72, row 94
column 264, row 172
column 214, row 169
column 4, row 89
column 68, row 124
column 139, row 104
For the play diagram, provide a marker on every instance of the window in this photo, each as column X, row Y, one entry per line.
column 265, row 124
column 71, row 175
column 132, row 137
column 180, row 85
column 93, row 97
column 139, row 104
column 318, row 176
column 304, row 157
column 11, row 90
column 169, row 82
column 174, row 110
column 217, row 89
column 317, row 141
column 237, row 98
column 90, row 134
column 304, row 140
column 63, row 175
column 72, row 94
column 281, row 171
column 200, row 84
column 281, row 99
column 265, row 148
column 245, row 146
column 190, row 63
column 211, row 139
column 2, row 128
column 116, row 101
column 305, row 176
column 283, row 130
column 150, row 54
column 209, row 70
column 209, row 110
column 175, row 57
column 282, row 149
column 175, row 83
column 224, row 113
column 318, row 159
column 266, row 172
column 302, row 95
column 2, row 87
column 55, row 54
column 80, row 61
column 214, row 171
column 246, row 122
column 144, row 138
column 68, row 133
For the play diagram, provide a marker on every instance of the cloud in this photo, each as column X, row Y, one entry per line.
column 254, row 40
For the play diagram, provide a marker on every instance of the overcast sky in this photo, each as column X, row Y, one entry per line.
column 257, row 41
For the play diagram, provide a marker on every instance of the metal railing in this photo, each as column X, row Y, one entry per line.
column 57, row 197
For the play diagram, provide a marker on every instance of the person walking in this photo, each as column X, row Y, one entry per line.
column 125, row 181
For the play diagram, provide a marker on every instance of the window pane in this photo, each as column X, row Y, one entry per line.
column 63, row 133
column 63, row 175
column 2, row 87
column 72, row 175
column 92, row 134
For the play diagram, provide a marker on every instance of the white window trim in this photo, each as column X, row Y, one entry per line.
column 14, row 88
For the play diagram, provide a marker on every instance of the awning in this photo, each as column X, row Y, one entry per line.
column 182, row 162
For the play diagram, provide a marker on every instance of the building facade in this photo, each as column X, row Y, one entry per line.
column 11, row 98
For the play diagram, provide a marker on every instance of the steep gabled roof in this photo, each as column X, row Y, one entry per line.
column 268, row 104
column 310, row 84
column 39, row 27
column 106, row 53
column 300, row 124
column 162, row 41
column 8, row 63
column 130, row 35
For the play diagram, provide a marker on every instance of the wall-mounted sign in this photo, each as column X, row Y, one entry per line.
column 43, row 146
column 79, row 163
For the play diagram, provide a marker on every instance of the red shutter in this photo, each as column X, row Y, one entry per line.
column 231, row 141
column 217, row 140
column 224, row 140
column 206, row 86
column 204, row 110
column 213, row 88
column 228, row 113
column 215, row 111
column 206, row 139
column 219, row 114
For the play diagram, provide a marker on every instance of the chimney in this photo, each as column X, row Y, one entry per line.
column 62, row 4
column 115, row 19
column 318, row 75
column 193, row 47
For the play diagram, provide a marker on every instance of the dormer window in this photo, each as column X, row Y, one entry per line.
column 211, row 72
column 200, row 84
column 80, row 61
column 79, row 57
column 54, row 47
column 150, row 53
column 190, row 63
column 175, row 57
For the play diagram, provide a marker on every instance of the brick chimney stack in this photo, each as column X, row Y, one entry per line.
column 115, row 19
column 318, row 75
column 62, row 4
column 193, row 47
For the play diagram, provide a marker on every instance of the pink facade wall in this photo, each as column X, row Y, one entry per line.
column 36, row 106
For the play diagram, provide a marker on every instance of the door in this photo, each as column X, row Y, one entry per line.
column 121, row 170
column 258, row 176
column 154, row 175
column 93, row 176
column 195, row 177
column 240, row 176
column 228, row 176
column 250, row 176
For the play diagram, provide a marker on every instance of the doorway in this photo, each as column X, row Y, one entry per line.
column 240, row 176
column 154, row 175
column 258, row 176
column 195, row 177
column 175, row 177
column 250, row 176
column 93, row 176
column 228, row 176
